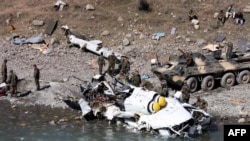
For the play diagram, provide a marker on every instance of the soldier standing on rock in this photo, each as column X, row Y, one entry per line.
column 12, row 81
column 101, row 62
column 112, row 60
column 36, row 77
column 4, row 71
column 136, row 79
column 125, row 66
column 185, row 92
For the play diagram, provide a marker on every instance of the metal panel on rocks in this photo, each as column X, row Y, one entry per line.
column 51, row 27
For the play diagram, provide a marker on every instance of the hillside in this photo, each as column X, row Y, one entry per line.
column 165, row 15
column 121, row 19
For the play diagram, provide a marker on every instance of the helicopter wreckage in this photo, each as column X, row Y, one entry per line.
column 138, row 108
column 142, row 110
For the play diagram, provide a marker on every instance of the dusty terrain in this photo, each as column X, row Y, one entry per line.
column 122, row 20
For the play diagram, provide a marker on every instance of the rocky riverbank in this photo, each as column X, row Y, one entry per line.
column 65, row 68
column 127, row 31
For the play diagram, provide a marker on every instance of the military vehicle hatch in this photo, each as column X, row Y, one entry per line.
column 201, row 71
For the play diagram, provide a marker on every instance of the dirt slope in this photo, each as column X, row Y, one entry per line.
column 137, row 26
column 165, row 14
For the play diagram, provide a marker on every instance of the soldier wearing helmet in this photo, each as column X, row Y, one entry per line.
column 136, row 79
column 101, row 62
column 12, row 81
column 112, row 60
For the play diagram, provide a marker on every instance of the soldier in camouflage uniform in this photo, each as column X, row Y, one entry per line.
column 136, row 79
column 185, row 90
column 147, row 84
column 112, row 60
column 201, row 103
column 37, row 77
column 188, row 57
column 12, row 81
column 125, row 66
column 101, row 62
column 4, row 71
column 221, row 18
column 164, row 88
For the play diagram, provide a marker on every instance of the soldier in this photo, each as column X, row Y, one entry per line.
column 37, row 77
column 239, row 18
column 122, row 64
column 4, row 71
column 185, row 92
column 136, row 79
column 112, row 60
column 12, row 81
column 192, row 15
column 125, row 66
column 164, row 88
column 230, row 11
column 201, row 103
column 221, row 18
column 128, row 65
column 101, row 62
column 147, row 84
column 188, row 57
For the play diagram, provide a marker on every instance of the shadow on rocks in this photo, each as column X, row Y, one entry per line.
column 44, row 87
column 24, row 94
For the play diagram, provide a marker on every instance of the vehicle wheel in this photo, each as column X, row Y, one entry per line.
column 227, row 80
column 207, row 83
column 192, row 82
column 243, row 77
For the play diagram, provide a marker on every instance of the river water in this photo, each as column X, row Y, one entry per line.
column 89, row 131
column 34, row 124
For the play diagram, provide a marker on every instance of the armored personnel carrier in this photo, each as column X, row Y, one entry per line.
column 202, row 71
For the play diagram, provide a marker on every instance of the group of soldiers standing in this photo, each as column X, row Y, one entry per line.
column 124, row 68
column 123, row 71
column 12, row 79
column 135, row 80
